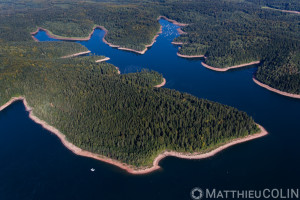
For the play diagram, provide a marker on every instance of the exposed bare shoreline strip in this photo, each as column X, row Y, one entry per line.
column 172, row 21
column 296, row 96
column 162, row 84
column 106, row 59
column 228, row 68
column 102, row 60
column 189, row 56
column 130, row 169
column 291, row 11
column 77, row 54
column 177, row 43
column 117, row 68
column 286, row 11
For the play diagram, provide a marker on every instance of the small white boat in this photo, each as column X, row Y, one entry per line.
column 92, row 169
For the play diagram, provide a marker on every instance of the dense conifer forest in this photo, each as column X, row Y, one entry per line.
column 119, row 116
column 227, row 32
column 123, row 116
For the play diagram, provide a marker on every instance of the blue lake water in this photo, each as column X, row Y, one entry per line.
column 35, row 165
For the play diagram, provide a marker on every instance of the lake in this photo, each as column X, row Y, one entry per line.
column 35, row 165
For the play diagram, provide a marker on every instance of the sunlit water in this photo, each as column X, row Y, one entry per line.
column 35, row 165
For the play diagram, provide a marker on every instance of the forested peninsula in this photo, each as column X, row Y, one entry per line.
column 120, row 117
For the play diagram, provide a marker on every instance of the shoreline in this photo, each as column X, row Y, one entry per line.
column 119, row 72
column 106, row 59
column 172, row 21
column 175, row 23
column 286, row 11
column 290, row 11
column 76, row 54
column 180, row 33
column 296, row 96
column 177, row 43
column 130, row 169
column 162, row 84
column 147, row 46
column 102, row 60
column 232, row 67
column 53, row 36
column 203, row 56
column 187, row 56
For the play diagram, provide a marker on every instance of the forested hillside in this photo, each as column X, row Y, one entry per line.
column 282, row 70
column 227, row 32
column 119, row 116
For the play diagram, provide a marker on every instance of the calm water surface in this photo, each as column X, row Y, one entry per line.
column 35, row 165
